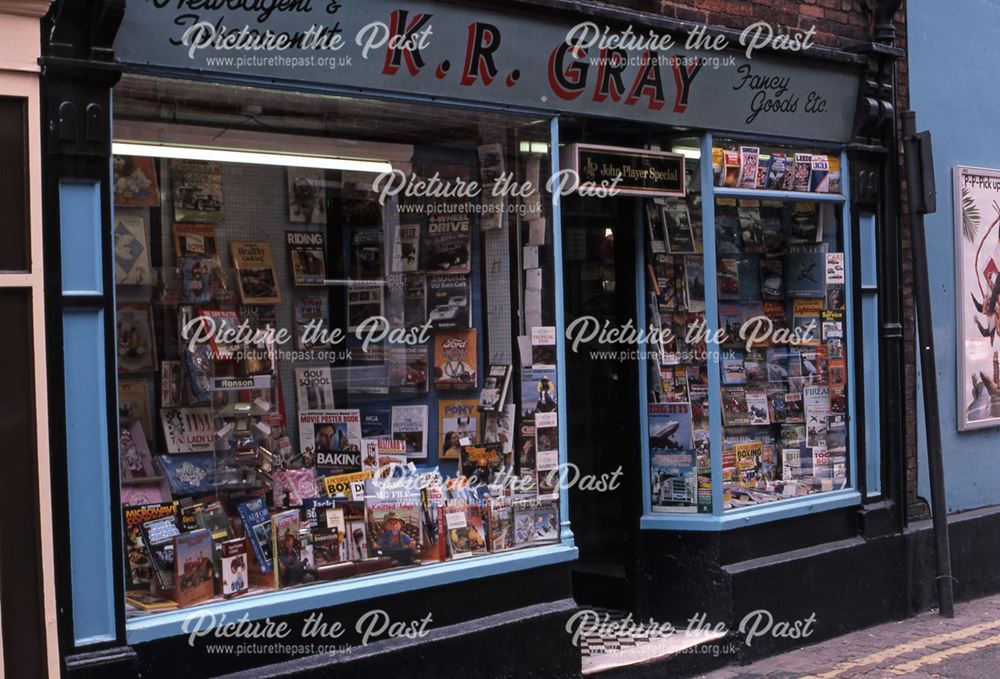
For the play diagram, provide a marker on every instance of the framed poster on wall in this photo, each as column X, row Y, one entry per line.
column 977, row 267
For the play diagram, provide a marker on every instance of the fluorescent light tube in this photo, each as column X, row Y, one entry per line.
column 251, row 157
column 688, row 152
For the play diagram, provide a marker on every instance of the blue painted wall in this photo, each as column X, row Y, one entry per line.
column 954, row 52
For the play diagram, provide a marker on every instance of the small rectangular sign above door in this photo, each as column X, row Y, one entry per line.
column 629, row 172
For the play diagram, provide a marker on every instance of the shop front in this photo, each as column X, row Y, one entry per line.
column 394, row 331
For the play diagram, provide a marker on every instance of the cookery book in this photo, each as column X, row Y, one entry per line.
column 255, row 272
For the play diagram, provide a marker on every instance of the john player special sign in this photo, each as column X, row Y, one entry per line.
column 475, row 54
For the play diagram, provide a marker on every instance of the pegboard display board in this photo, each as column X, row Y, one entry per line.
column 255, row 206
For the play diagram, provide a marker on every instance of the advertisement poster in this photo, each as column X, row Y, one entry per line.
column 977, row 266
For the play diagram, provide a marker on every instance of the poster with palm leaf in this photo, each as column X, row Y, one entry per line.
column 977, row 261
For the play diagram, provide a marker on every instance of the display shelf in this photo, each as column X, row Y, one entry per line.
column 762, row 194
column 314, row 597
column 741, row 517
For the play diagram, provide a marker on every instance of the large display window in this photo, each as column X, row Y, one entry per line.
column 336, row 355
column 747, row 395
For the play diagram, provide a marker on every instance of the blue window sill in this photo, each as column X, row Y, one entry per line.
column 751, row 516
column 289, row 601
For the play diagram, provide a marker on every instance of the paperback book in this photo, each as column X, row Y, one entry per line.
column 406, row 249
column 493, row 397
column 332, row 437
column 458, row 421
column 448, row 301
column 307, row 255
column 409, row 424
column 194, row 573
column 158, row 539
column 257, row 527
column 455, row 360
column 314, row 388
column 138, row 567
column 449, row 243
column 255, row 272
column 235, row 574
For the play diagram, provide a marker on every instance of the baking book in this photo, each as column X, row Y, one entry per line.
column 332, row 436
column 255, row 272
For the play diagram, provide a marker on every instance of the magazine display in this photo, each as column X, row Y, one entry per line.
column 315, row 378
column 779, row 270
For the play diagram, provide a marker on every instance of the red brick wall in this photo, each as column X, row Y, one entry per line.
column 833, row 18
column 916, row 507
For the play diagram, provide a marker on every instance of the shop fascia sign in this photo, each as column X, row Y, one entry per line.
column 480, row 55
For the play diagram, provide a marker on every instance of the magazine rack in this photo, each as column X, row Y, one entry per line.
column 727, row 480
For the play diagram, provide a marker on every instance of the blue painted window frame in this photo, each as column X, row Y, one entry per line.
column 868, row 264
column 318, row 596
column 719, row 519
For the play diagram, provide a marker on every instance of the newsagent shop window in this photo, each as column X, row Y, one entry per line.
column 747, row 395
column 320, row 373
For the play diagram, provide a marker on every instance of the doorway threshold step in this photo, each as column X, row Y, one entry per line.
column 605, row 651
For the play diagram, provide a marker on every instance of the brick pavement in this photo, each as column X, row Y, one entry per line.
column 965, row 647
